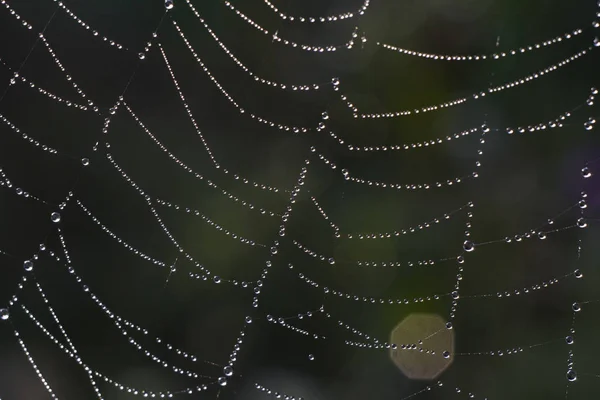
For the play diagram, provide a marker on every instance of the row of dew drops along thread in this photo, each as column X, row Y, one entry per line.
column 121, row 322
column 586, row 173
column 595, row 43
column 326, row 19
column 197, row 175
column 333, row 261
column 397, row 186
column 346, row 174
column 468, row 246
column 29, row 266
column 16, row 75
column 362, row 263
column 197, row 129
column 496, row 56
column 50, row 150
column 149, row 199
column 276, row 38
column 241, row 110
column 255, row 301
column 549, row 124
column 19, row 78
column 167, row 232
column 476, row 96
column 116, row 384
column 87, row 27
column 268, row 82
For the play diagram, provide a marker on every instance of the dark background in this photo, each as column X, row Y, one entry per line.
column 524, row 180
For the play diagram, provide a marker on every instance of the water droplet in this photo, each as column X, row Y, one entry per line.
column 596, row 42
column 4, row 314
column 85, row 161
column 582, row 204
column 217, row 279
column 331, row 261
column 222, row 381
column 446, row 354
column 569, row 339
column 169, row 4
column 248, row 320
column 576, row 307
column 468, row 246
column 581, row 223
column 455, row 295
column 589, row 124
column 571, row 375
column 460, row 259
column 335, row 81
column 325, row 115
column 142, row 56
column 228, row 370
column 585, row 172
column 449, row 325
column 542, row 235
column 311, row 357
column 273, row 250
column 28, row 265
column 578, row 274
column 55, row 217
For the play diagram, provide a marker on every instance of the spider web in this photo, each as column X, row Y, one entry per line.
column 251, row 199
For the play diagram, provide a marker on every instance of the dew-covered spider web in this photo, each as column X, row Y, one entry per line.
column 279, row 199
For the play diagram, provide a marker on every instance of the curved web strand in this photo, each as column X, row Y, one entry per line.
column 388, row 235
column 166, row 230
column 539, row 231
column 120, row 240
column 510, row 351
column 29, row 139
column 196, row 174
column 105, row 378
column 371, row 300
column 405, row 146
column 243, row 67
column 281, row 322
column 149, row 199
column 240, row 109
column 211, row 223
column 199, row 133
column 495, row 56
column 277, row 38
column 411, row 186
column 554, row 123
column 19, row 78
column 495, row 89
column 124, row 325
column 19, row 191
column 363, row 263
column 525, row 290
column 16, row 15
column 34, row 365
column 87, row 27
column 50, row 50
column 325, row 19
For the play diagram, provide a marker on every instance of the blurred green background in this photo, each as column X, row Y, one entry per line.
column 524, row 180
